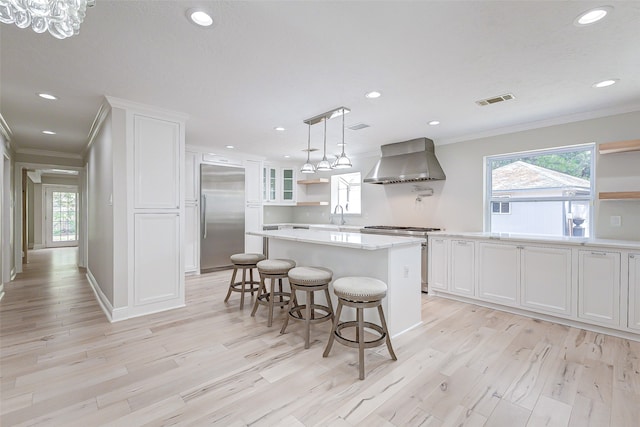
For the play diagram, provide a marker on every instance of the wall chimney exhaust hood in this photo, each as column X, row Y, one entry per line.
column 407, row 161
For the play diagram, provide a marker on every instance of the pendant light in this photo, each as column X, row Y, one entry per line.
column 308, row 167
column 343, row 161
column 324, row 164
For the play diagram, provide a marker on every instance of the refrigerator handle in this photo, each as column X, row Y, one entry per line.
column 204, row 216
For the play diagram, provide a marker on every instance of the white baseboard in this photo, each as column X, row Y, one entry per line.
column 1, row 291
column 113, row 314
column 38, row 246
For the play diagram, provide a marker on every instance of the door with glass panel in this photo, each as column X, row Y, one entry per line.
column 61, row 216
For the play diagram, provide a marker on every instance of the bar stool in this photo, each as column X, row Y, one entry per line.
column 360, row 293
column 308, row 280
column 272, row 269
column 244, row 262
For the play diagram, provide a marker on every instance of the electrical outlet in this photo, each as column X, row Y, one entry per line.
column 615, row 221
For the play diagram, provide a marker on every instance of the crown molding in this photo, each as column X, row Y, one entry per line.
column 132, row 105
column 5, row 130
column 47, row 153
column 101, row 115
column 560, row 120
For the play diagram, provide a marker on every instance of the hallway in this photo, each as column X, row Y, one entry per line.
column 209, row 363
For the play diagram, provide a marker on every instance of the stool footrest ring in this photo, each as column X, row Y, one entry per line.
column 354, row 344
column 297, row 312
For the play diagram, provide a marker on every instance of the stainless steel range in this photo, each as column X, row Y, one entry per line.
column 407, row 231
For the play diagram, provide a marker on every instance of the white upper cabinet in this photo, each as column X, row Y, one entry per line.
column 157, row 145
column 599, row 287
column 634, row 291
column 546, row 279
column 278, row 185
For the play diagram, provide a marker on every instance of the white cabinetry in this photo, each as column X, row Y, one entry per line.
column 191, row 176
column 156, row 146
column 191, row 238
column 438, row 263
column 546, row 279
column 634, row 291
column 278, row 185
column 253, row 212
column 599, row 287
column 192, row 212
column 462, row 274
column 499, row 273
column 156, row 265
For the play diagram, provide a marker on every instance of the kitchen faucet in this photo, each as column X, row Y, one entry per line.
column 335, row 212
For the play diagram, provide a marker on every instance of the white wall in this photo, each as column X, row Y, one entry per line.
column 458, row 202
column 100, row 211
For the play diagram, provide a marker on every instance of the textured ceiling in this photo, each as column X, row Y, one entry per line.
column 269, row 63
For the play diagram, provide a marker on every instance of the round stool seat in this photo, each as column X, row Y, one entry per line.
column 246, row 258
column 310, row 275
column 276, row 266
column 360, row 288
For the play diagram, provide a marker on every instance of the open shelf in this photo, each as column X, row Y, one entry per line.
column 619, row 146
column 314, row 181
column 313, row 203
column 619, row 195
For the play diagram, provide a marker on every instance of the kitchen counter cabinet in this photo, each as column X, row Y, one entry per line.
column 463, row 275
column 599, row 287
column 588, row 283
column 438, row 263
column 394, row 260
column 498, row 273
column 545, row 275
column 634, row 291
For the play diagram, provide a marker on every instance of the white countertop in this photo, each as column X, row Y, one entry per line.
column 577, row 241
column 338, row 238
column 332, row 227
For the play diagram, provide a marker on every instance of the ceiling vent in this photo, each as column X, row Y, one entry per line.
column 495, row 99
column 358, row 126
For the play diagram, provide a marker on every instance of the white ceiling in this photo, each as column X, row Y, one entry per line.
column 269, row 63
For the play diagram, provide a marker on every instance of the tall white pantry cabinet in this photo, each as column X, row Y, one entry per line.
column 157, row 209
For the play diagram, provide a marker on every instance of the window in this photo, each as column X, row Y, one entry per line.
column 550, row 192
column 500, row 208
column 345, row 192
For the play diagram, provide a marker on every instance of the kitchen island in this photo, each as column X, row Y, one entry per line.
column 394, row 260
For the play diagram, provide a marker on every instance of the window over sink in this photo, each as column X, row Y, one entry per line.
column 346, row 193
column 544, row 192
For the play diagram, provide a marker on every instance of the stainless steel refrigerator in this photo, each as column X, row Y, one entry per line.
column 221, row 215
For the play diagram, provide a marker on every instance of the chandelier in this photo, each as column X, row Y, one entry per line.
column 62, row 18
column 341, row 161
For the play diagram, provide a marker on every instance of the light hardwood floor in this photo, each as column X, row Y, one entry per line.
column 63, row 364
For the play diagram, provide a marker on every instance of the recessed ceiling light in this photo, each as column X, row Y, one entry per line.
column 47, row 96
column 48, row 132
column 434, row 123
column 229, row 146
column 605, row 83
column 373, row 94
column 200, row 17
column 279, row 128
column 592, row 16
column 286, row 156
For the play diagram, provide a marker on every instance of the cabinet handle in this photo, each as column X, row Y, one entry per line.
column 204, row 214
column 632, row 256
column 462, row 243
column 599, row 253
column 519, row 247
